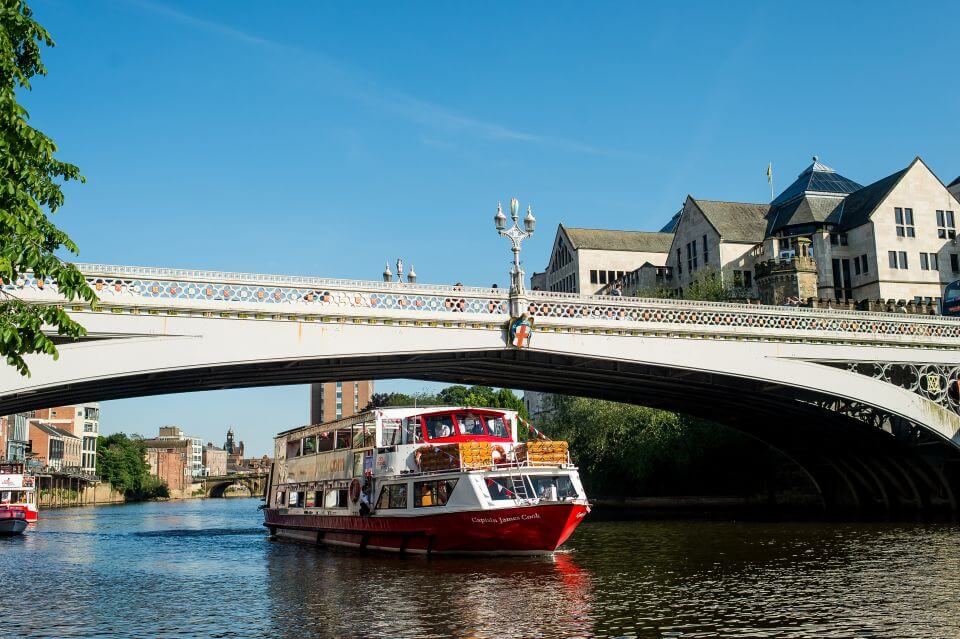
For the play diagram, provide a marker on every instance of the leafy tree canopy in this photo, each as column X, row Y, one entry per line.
column 30, row 190
column 457, row 395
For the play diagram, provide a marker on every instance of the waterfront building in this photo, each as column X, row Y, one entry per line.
column 333, row 400
column 83, row 421
column 168, row 460
column 53, row 446
column 892, row 239
column 587, row 260
column 195, row 453
column 214, row 461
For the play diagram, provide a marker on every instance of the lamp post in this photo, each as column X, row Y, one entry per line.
column 517, row 236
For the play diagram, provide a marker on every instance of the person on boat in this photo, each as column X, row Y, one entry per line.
column 365, row 508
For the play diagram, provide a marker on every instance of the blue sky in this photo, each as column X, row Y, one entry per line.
column 326, row 138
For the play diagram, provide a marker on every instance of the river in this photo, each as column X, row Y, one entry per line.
column 205, row 568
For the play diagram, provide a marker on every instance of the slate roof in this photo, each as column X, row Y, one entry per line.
column 817, row 178
column 608, row 240
column 735, row 221
column 809, row 209
column 860, row 205
column 954, row 183
column 671, row 226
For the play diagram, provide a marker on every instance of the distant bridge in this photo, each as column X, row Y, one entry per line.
column 866, row 403
column 216, row 486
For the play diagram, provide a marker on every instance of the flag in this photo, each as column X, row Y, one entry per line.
column 770, row 173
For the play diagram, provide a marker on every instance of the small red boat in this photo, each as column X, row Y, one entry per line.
column 13, row 520
column 424, row 480
column 18, row 491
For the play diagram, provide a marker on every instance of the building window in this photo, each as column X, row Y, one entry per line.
column 748, row 279
column 902, row 259
column 603, row 277
column 692, row 256
column 856, row 266
column 945, row 225
column 838, row 239
column 904, row 221
column 928, row 262
column 593, row 276
column 706, row 254
column 679, row 263
column 954, row 263
column 863, row 264
column 892, row 255
column 738, row 279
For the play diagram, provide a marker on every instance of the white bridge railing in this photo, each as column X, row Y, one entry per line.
column 159, row 288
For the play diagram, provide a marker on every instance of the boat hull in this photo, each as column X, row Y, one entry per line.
column 10, row 526
column 534, row 529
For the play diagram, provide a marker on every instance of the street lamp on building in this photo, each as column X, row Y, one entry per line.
column 517, row 236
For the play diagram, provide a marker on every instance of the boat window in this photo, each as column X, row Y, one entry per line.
column 296, row 499
column 363, row 435
column 496, row 426
column 439, row 426
column 470, row 424
column 390, row 435
column 311, row 499
column 335, row 498
column 392, row 496
column 281, row 497
column 411, row 430
column 544, row 486
column 343, row 438
column 293, row 448
column 324, row 442
column 432, row 493
column 499, row 488
column 309, row 445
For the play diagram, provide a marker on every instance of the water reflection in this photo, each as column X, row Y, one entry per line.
column 206, row 569
column 342, row 592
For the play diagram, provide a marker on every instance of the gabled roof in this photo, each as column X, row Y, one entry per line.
column 735, row 221
column 956, row 182
column 608, row 240
column 820, row 179
column 860, row 205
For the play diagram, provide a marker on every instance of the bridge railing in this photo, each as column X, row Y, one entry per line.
column 238, row 293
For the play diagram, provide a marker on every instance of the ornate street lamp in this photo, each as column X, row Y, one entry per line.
column 388, row 274
column 517, row 236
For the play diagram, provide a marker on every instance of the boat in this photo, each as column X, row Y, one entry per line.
column 18, row 498
column 434, row 480
column 13, row 521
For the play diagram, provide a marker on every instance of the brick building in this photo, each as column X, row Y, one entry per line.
column 54, row 446
column 168, row 462
column 214, row 461
column 83, row 422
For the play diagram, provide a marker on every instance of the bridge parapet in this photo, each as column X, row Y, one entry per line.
column 247, row 295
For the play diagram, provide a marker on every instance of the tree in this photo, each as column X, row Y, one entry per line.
column 122, row 462
column 30, row 190
column 707, row 286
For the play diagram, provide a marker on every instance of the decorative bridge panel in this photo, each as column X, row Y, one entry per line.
column 940, row 383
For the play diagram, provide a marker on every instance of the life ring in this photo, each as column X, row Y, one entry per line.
column 499, row 455
column 355, row 490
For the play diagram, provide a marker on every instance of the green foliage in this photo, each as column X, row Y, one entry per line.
column 122, row 461
column 457, row 395
column 625, row 450
column 707, row 286
column 30, row 188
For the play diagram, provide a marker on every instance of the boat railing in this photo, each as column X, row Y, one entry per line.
column 513, row 464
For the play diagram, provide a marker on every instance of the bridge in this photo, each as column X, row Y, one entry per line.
column 866, row 403
column 254, row 483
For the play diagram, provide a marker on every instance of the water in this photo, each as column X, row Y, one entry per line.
column 204, row 568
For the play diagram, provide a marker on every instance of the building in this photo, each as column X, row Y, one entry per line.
column 16, row 436
column 892, row 239
column 586, row 260
column 54, row 446
column 954, row 187
column 169, row 461
column 83, row 421
column 195, row 454
column 234, row 452
column 214, row 461
column 333, row 400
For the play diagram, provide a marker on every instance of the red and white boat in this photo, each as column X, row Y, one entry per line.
column 18, row 498
column 424, row 480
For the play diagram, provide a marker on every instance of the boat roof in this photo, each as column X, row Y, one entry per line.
column 389, row 412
